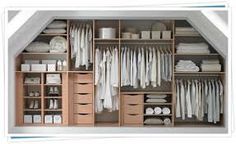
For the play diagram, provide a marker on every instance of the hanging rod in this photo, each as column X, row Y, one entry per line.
column 146, row 43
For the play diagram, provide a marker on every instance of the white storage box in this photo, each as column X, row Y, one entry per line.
column 28, row 119
column 53, row 79
column 49, row 61
column 126, row 35
column 48, row 119
column 38, row 67
column 32, row 62
column 134, row 36
column 156, row 35
column 51, row 67
column 37, row 119
column 145, row 34
column 57, row 119
column 166, row 35
column 25, row 67
column 107, row 33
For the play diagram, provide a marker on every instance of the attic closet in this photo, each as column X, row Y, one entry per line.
column 119, row 73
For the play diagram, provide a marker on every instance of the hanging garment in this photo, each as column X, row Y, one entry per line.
column 178, row 112
column 154, row 69
column 182, row 98
column 142, row 70
column 188, row 101
column 158, row 68
column 135, row 70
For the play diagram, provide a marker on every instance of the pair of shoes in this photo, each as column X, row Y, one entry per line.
column 36, row 93
column 34, row 104
column 53, row 91
column 53, row 104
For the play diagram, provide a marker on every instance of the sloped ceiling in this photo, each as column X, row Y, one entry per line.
column 39, row 20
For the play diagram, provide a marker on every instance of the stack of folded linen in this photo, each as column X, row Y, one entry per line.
column 192, row 48
column 156, row 98
column 186, row 66
column 185, row 31
column 211, row 65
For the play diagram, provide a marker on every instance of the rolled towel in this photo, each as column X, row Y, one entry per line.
column 151, row 100
column 149, row 110
column 153, row 121
column 156, row 96
column 157, row 110
column 165, row 110
column 167, row 121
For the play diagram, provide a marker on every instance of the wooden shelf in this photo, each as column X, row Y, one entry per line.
column 145, row 92
column 187, row 35
column 32, row 84
column 52, row 110
column 157, row 103
column 100, row 39
column 28, row 53
column 41, row 72
column 80, row 71
column 157, row 40
column 52, row 97
column 32, row 110
column 157, row 115
column 54, row 34
column 192, row 54
column 52, row 84
column 32, row 97
column 199, row 72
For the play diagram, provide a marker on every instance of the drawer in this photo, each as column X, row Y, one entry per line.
column 83, row 78
column 133, row 109
column 83, row 119
column 83, row 88
column 83, row 108
column 83, row 98
column 133, row 119
column 133, row 99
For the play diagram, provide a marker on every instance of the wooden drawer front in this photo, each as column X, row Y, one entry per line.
column 83, row 119
column 133, row 99
column 83, row 98
column 83, row 78
column 83, row 108
column 133, row 119
column 83, row 88
column 133, row 109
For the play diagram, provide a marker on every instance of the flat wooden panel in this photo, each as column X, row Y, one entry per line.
column 83, row 88
column 83, row 108
column 83, row 78
column 83, row 98
column 65, row 104
column 19, row 99
column 133, row 109
column 83, row 119
column 133, row 119
column 133, row 99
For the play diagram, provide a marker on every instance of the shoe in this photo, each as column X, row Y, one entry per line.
column 55, row 105
column 31, row 94
column 36, row 104
column 51, row 92
column 31, row 104
column 56, row 91
column 51, row 104
column 36, row 93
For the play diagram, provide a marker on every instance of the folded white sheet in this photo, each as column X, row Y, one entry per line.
column 157, row 110
column 186, row 65
column 166, row 110
column 155, row 100
column 192, row 45
column 211, row 67
column 156, row 96
column 149, row 110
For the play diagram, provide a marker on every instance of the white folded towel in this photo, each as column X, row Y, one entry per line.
column 211, row 67
column 149, row 110
column 157, row 110
column 165, row 110
column 186, row 65
column 156, row 96
column 167, row 121
column 155, row 100
column 192, row 45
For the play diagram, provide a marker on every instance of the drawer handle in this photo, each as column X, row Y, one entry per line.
column 133, row 114
column 83, row 94
column 84, row 114
column 133, row 104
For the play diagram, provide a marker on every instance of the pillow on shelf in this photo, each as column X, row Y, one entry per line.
column 57, row 25
column 39, row 47
column 54, row 31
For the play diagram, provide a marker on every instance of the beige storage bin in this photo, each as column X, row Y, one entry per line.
column 83, row 118
column 83, row 98
column 83, row 88
column 134, row 36
column 145, row 34
column 166, row 35
column 133, row 119
column 83, row 78
column 133, row 99
column 133, row 109
column 83, row 108
column 126, row 35
column 156, row 35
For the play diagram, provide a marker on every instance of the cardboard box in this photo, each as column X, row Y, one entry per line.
column 166, row 35
column 156, row 35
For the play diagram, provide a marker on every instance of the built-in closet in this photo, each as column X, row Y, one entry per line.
column 66, row 88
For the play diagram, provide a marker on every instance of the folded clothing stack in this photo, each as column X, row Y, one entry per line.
column 211, row 65
column 157, row 110
column 156, row 98
column 192, row 48
column 186, row 66
column 157, row 121
column 185, row 31
column 56, row 27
